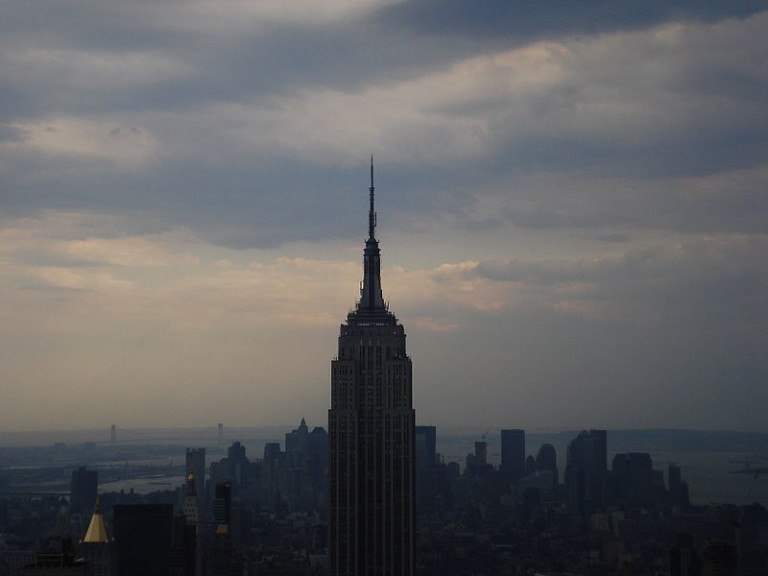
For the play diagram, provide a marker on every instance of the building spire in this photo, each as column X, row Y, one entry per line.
column 97, row 529
column 370, row 291
column 372, row 211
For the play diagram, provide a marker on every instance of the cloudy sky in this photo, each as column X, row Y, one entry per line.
column 572, row 203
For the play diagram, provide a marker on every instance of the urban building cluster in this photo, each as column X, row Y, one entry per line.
column 373, row 497
column 241, row 515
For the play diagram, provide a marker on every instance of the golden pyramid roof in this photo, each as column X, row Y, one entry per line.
column 97, row 530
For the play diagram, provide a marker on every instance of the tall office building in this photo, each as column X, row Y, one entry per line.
column 633, row 479
column 512, row 454
column 192, row 539
column 586, row 471
column 371, row 435
column 195, row 463
column 546, row 461
column 82, row 490
column 426, row 446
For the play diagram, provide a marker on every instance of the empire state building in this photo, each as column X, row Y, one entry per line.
column 371, row 435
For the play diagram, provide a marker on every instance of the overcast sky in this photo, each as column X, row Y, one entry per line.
column 572, row 208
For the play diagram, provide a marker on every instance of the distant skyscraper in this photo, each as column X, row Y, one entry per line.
column 586, row 471
column 426, row 446
column 678, row 490
column 306, row 455
column 530, row 465
column 82, row 491
column 633, row 478
column 297, row 441
column 193, row 530
column 222, row 503
column 371, row 435
column 481, row 453
column 195, row 462
column 428, row 471
column 512, row 454
column 546, row 460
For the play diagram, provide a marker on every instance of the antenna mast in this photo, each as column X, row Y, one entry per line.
column 371, row 211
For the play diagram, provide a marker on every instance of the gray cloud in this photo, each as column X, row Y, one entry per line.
column 716, row 282
column 529, row 19
column 576, row 193
column 662, row 334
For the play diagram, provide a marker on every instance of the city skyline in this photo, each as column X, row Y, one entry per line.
column 575, row 208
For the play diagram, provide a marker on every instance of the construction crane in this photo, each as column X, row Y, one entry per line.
column 747, row 467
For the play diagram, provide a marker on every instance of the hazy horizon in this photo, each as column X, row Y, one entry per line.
column 208, row 435
column 572, row 209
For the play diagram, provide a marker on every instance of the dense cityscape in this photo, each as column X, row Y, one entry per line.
column 508, row 507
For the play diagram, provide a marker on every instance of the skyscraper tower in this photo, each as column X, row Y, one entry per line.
column 512, row 455
column 586, row 472
column 195, row 463
column 96, row 546
column 371, row 435
column 82, row 491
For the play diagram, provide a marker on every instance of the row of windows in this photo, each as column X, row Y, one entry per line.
column 362, row 352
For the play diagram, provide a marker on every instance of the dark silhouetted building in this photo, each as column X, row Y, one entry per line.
column 222, row 503
column 226, row 557
column 683, row 557
column 232, row 469
column 586, row 472
column 192, row 530
column 678, row 489
column 144, row 538
column 306, row 456
column 633, row 478
column 432, row 486
column 546, row 461
column 371, row 435
column 82, row 491
column 512, row 455
column 426, row 446
column 56, row 555
column 720, row 558
column 236, row 453
column 195, row 463
column 481, row 453
column 530, row 465
column 425, row 455
column 477, row 462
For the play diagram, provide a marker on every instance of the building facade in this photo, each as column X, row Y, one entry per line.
column 371, row 435
column 195, row 464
